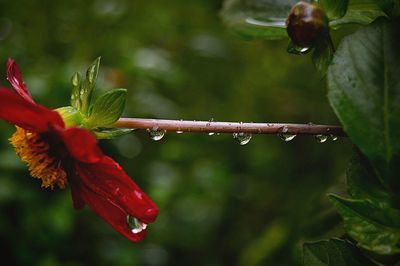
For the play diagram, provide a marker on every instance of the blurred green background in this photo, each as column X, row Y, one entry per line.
column 220, row 203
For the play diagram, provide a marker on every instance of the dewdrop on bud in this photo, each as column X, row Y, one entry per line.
column 306, row 24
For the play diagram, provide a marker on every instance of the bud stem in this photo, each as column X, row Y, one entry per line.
column 228, row 127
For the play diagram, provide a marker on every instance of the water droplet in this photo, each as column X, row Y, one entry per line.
column 242, row 138
column 286, row 136
column 179, row 132
column 295, row 49
column 334, row 137
column 321, row 138
column 135, row 225
column 156, row 133
column 211, row 133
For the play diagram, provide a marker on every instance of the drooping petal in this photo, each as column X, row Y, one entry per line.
column 15, row 78
column 108, row 180
column 28, row 115
column 81, row 145
column 77, row 199
column 111, row 213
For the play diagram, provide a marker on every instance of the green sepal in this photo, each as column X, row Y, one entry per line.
column 86, row 89
column 70, row 116
column 109, row 133
column 82, row 90
column 76, row 81
column 323, row 55
column 107, row 109
column 334, row 9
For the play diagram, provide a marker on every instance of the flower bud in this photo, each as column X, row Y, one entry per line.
column 306, row 24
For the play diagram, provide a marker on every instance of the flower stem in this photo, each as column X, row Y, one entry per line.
column 228, row 127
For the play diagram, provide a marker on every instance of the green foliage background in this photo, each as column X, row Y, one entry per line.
column 221, row 203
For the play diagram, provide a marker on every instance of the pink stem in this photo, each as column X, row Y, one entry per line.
column 228, row 127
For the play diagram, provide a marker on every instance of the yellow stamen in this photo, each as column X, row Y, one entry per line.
column 34, row 151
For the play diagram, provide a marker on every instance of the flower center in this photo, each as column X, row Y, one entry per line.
column 35, row 152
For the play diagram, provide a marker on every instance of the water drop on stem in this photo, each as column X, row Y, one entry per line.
column 242, row 138
column 286, row 136
column 321, row 138
column 156, row 133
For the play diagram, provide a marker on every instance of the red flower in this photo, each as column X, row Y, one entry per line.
column 59, row 155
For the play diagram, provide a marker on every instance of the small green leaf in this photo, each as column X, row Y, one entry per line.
column 334, row 9
column 87, row 87
column 374, row 228
column 333, row 252
column 76, row 81
column 322, row 55
column 365, row 94
column 359, row 12
column 263, row 19
column 109, row 133
column 107, row 108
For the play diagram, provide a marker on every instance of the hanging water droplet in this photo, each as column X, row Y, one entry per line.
column 295, row 49
column 135, row 225
column 286, row 136
column 211, row 133
column 156, row 133
column 321, row 138
column 242, row 138
column 334, row 137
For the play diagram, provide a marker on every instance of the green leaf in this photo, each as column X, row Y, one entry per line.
column 390, row 7
column 374, row 228
column 363, row 183
column 334, row 9
column 364, row 91
column 107, row 108
column 109, row 133
column 359, row 12
column 86, row 89
column 322, row 55
column 261, row 19
column 333, row 252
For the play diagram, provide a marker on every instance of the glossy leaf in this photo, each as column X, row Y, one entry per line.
column 333, row 252
column 363, row 183
column 334, row 9
column 359, row 12
column 374, row 228
column 262, row 19
column 364, row 91
column 107, row 108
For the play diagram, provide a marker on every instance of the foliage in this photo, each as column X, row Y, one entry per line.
column 363, row 78
column 222, row 204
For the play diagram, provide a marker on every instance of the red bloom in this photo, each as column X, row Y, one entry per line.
column 59, row 155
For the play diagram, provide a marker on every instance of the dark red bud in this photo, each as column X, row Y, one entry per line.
column 306, row 24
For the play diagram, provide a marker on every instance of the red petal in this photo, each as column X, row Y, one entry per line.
column 15, row 78
column 108, row 180
column 111, row 213
column 77, row 198
column 28, row 115
column 82, row 145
